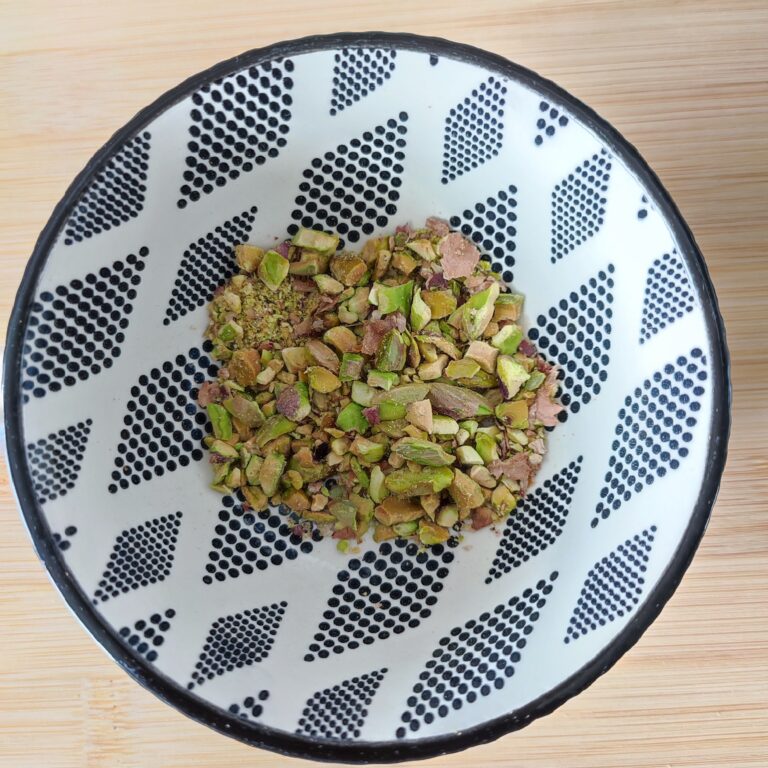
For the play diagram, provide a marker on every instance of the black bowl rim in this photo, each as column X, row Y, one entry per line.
column 384, row 751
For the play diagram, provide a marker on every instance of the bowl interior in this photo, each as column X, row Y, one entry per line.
column 291, row 644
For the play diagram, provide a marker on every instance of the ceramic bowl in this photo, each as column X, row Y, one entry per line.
column 390, row 653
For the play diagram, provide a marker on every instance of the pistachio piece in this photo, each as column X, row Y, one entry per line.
column 444, row 425
column 273, row 269
column 351, row 419
column 310, row 470
column 383, row 533
column 508, row 307
column 465, row 491
column 535, row 381
column 345, row 513
column 431, row 533
column 270, row 472
column 293, row 479
column 485, row 445
column 297, row 500
column 462, row 436
column 224, row 449
column 367, row 450
column 383, row 258
column 348, row 268
column 503, row 500
column 511, row 375
column 323, row 355
column 293, row 402
column 482, row 477
column 508, row 339
column 394, row 429
column 513, row 414
column 252, row 470
column 476, row 313
column 377, row 489
column 382, row 379
column 389, row 410
column 481, row 517
column 404, row 394
column 256, row 498
column 483, row 354
column 461, row 369
column 321, row 379
column 421, row 314
column 322, row 242
column 220, row 421
column 403, row 262
column 273, row 427
column 440, row 303
column 248, row 257
column 394, row 298
column 468, row 456
column 244, row 366
column 470, row 425
column 392, row 511
column 423, row 248
column 265, row 376
column 358, row 302
column 309, row 264
column 419, row 413
column 433, row 370
column 430, row 503
column 392, row 352
column 244, row 410
column 458, row 402
column 296, row 359
column 448, row 516
column 362, row 394
column 342, row 338
column 423, row 452
column 406, row 482
column 351, row 366
column 329, row 285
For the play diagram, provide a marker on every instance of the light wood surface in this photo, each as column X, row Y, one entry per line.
column 686, row 82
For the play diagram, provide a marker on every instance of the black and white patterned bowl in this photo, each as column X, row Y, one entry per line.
column 394, row 653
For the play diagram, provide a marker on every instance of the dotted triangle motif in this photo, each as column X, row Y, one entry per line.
column 62, row 540
column 141, row 555
column 237, row 123
column 247, row 541
column 238, row 641
column 475, row 659
column 490, row 224
column 668, row 295
column 163, row 425
column 576, row 334
column 358, row 72
column 54, row 461
column 116, row 194
column 381, row 594
column 474, row 129
column 251, row 708
column 339, row 712
column 613, row 586
column 354, row 188
column 147, row 635
column 75, row 331
column 536, row 522
column 578, row 204
column 548, row 122
column 653, row 430
column 207, row 263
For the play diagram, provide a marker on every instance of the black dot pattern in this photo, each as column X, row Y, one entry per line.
column 642, row 211
column 76, row 330
column 358, row 72
column 548, row 122
column 578, row 204
column 339, row 712
column 613, row 586
column 63, row 540
column 536, row 522
column 668, row 295
column 381, row 594
column 245, row 541
column 474, row 129
column 490, row 224
column 238, row 641
column 147, row 635
column 163, row 426
column 237, row 123
column 475, row 659
column 140, row 556
column 251, row 707
column 576, row 334
column 116, row 194
column 653, row 431
column 356, row 188
column 207, row 263
column 54, row 461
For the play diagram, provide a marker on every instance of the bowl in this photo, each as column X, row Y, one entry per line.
column 391, row 653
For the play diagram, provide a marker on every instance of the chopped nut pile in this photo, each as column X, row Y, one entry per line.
column 390, row 389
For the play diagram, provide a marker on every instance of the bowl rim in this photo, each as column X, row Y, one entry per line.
column 284, row 742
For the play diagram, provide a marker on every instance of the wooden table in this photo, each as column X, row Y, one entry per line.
column 685, row 82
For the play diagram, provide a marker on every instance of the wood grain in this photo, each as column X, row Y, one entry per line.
column 686, row 82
